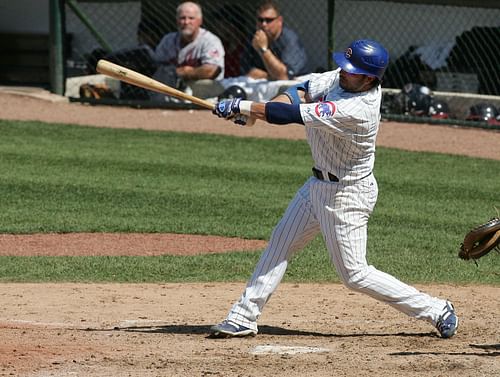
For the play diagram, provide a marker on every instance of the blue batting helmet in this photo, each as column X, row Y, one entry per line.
column 365, row 57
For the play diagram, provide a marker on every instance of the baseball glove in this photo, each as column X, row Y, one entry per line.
column 481, row 240
column 96, row 91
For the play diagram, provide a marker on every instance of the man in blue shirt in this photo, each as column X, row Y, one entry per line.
column 275, row 51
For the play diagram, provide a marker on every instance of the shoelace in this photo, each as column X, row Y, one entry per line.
column 441, row 324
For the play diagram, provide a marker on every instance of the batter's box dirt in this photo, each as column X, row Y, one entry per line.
column 162, row 330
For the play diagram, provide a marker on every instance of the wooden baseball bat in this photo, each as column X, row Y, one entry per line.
column 135, row 78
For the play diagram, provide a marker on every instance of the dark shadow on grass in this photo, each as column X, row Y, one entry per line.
column 263, row 330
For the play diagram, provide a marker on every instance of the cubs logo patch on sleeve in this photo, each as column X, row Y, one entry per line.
column 325, row 109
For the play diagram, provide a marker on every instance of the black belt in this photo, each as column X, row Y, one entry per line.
column 319, row 174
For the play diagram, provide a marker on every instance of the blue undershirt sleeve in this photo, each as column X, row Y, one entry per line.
column 283, row 113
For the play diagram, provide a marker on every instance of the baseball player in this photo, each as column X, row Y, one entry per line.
column 340, row 111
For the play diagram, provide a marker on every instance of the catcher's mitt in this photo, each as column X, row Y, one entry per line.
column 481, row 240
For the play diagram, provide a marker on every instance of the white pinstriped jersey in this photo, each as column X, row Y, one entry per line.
column 342, row 128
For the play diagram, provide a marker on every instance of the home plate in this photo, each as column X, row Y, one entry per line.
column 285, row 350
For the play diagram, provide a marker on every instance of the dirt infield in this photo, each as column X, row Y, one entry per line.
column 161, row 329
column 82, row 244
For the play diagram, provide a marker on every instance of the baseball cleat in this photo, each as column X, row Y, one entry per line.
column 227, row 329
column 447, row 323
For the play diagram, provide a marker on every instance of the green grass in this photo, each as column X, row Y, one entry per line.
column 63, row 178
column 72, row 179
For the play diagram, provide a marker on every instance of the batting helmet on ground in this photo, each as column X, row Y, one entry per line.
column 233, row 91
column 439, row 109
column 365, row 57
column 483, row 112
column 414, row 99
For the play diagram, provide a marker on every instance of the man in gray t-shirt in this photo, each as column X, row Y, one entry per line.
column 190, row 54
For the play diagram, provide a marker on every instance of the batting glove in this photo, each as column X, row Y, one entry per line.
column 227, row 108
column 240, row 120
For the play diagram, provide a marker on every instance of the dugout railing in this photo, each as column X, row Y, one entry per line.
column 450, row 47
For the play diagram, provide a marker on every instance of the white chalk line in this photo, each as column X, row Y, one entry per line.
column 8, row 322
column 286, row 350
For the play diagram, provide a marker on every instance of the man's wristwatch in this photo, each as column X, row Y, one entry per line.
column 262, row 50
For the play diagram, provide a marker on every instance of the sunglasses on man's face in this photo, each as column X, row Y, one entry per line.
column 267, row 20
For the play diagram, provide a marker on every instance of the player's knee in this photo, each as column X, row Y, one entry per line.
column 350, row 283
column 354, row 285
column 355, row 279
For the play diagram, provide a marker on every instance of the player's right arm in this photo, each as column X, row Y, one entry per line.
column 294, row 95
column 275, row 112
column 284, row 109
column 288, row 102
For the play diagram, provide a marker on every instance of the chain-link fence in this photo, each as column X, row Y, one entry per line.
column 449, row 53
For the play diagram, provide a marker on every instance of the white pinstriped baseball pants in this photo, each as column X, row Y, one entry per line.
column 341, row 213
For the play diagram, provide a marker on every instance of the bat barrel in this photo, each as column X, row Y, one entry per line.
column 138, row 79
